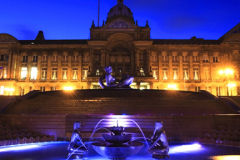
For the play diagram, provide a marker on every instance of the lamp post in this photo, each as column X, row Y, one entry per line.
column 226, row 73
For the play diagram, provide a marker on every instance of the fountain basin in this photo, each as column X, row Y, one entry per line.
column 117, row 152
column 119, row 139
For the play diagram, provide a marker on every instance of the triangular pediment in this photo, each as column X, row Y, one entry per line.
column 120, row 23
column 234, row 38
column 234, row 30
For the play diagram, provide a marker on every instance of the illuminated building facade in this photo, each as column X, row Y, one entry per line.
column 191, row 64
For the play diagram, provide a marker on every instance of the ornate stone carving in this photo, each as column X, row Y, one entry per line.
column 120, row 47
column 119, row 24
column 233, row 39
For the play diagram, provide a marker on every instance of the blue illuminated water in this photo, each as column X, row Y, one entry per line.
column 58, row 151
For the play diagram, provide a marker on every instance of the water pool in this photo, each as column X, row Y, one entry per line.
column 58, row 151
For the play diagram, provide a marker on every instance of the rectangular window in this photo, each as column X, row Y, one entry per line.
column 65, row 58
column 165, row 58
column 142, row 57
column 127, row 59
column 54, row 58
column 195, row 58
column 218, row 91
column 75, row 58
column 195, row 73
column 197, row 89
column 97, row 72
column 175, row 74
column 185, row 74
column 53, row 88
column 35, row 58
column 64, row 73
column 154, row 58
column 54, row 74
column 205, row 58
column 2, row 58
column 44, row 73
column 42, row 89
column 112, row 59
column 25, row 58
column 75, row 74
column 174, row 58
column 215, row 59
column 119, row 59
column 5, row 72
column 34, row 73
column 185, row 59
column 23, row 72
column 165, row 74
column 85, row 73
column 6, row 58
column 206, row 74
column 44, row 58
column 97, row 57
column 1, row 72
column 238, row 91
column 142, row 72
column 2, row 90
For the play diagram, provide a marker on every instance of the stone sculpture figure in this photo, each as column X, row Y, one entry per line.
column 159, row 147
column 76, row 146
column 113, row 82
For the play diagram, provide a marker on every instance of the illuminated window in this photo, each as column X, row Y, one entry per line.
column 206, row 74
column 25, row 58
column 54, row 74
column 42, row 89
column 175, row 74
column 85, row 74
column 53, row 88
column 75, row 74
column 195, row 73
column 155, row 74
column 185, row 74
column 5, row 72
column 34, row 73
column 142, row 72
column 23, row 72
column 64, row 73
column 120, row 71
column 197, row 89
column 165, row 74
column 35, row 58
column 1, row 72
column 205, row 58
column 44, row 73
column 2, row 90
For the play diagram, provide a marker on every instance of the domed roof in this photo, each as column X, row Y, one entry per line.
column 120, row 10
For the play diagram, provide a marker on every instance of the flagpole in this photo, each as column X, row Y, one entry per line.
column 98, row 11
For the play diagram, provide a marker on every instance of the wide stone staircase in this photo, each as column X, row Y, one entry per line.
column 119, row 102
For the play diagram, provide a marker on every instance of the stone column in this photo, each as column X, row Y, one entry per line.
column 29, row 68
column 107, row 58
column 9, row 68
column 91, row 61
column 69, row 73
column 13, row 65
column 59, row 68
column 160, row 76
column 132, row 63
column 148, row 58
column 80, row 67
column 136, row 60
column 170, row 72
column 49, row 66
column 181, row 66
column 18, row 69
column 39, row 69
column 201, row 73
column 211, row 70
column 103, row 59
column 191, row 66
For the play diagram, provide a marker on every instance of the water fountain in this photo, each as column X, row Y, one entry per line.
column 117, row 145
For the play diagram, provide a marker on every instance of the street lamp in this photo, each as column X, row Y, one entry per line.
column 227, row 72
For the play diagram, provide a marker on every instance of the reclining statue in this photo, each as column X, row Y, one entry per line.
column 113, row 82
column 76, row 146
column 159, row 147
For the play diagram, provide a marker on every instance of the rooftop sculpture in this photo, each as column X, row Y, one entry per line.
column 113, row 82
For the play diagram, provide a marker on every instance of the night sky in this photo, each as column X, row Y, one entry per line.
column 71, row 19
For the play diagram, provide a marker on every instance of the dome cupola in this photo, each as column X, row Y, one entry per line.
column 120, row 10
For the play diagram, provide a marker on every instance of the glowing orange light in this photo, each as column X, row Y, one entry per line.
column 67, row 88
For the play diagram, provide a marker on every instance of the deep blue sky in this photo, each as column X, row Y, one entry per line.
column 71, row 19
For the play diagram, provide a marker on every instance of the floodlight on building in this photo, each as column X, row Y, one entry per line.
column 172, row 87
column 9, row 89
column 231, row 85
column 226, row 72
column 68, row 88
